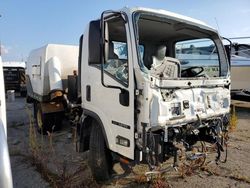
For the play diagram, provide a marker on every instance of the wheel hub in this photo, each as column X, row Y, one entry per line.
column 39, row 119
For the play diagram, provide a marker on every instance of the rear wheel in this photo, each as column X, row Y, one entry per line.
column 42, row 120
column 57, row 120
column 23, row 93
column 100, row 159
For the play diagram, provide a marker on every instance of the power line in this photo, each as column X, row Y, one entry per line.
column 240, row 37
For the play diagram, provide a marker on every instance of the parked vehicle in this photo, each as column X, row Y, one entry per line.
column 240, row 68
column 144, row 96
column 5, row 176
column 14, row 77
column 50, row 77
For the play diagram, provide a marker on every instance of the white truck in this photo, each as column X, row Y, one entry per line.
column 142, row 100
column 47, row 83
column 6, row 176
column 14, row 76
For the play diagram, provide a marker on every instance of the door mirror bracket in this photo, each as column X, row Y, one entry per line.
column 228, row 49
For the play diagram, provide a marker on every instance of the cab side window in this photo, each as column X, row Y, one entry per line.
column 117, row 62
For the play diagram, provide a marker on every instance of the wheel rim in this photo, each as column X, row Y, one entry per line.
column 39, row 119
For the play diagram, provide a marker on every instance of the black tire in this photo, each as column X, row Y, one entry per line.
column 57, row 121
column 23, row 93
column 42, row 121
column 100, row 160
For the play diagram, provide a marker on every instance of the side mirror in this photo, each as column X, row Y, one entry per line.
column 95, row 42
column 124, row 97
column 98, row 41
column 105, row 42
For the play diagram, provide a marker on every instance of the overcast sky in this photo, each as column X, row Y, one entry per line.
column 29, row 24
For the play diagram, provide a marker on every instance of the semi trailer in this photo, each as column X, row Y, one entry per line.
column 148, row 87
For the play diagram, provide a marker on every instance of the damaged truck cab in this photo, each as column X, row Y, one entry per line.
column 152, row 82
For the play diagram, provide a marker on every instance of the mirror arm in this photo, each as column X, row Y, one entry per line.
column 230, row 48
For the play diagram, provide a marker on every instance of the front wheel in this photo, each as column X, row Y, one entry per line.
column 100, row 159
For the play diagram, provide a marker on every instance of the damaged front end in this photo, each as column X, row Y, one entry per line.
column 176, row 141
column 183, row 120
column 183, row 90
column 180, row 119
column 183, row 113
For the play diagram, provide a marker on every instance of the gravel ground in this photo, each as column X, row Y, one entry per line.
column 23, row 172
column 51, row 161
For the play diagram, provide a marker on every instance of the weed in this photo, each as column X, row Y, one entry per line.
column 141, row 179
column 239, row 177
column 233, row 120
column 160, row 184
column 16, row 152
column 210, row 170
column 43, row 157
column 16, row 125
column 235, row 176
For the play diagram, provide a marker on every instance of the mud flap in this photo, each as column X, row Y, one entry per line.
column 52, row 107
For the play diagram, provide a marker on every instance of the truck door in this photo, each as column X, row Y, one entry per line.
column 112, row 96
column 118, row 71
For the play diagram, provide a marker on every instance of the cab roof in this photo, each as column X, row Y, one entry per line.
column 169, row 15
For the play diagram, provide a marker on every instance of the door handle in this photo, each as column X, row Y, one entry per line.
column 88, row 93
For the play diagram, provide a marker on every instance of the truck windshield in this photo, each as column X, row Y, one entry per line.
column 176, row 49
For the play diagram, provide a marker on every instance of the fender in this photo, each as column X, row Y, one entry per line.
column 95, row 117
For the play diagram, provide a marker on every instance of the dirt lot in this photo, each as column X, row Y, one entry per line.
column 51, row 161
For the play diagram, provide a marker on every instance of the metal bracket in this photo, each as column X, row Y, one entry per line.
column 166, row 134
column 138, row 92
